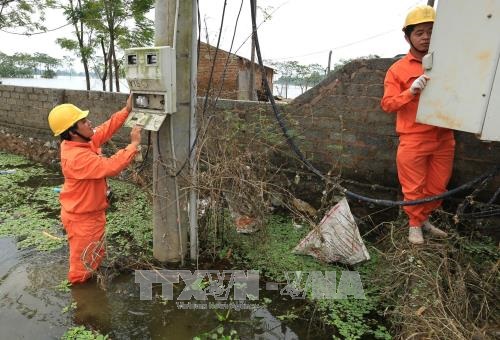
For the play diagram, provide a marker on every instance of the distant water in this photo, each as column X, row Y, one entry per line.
column 78, row 83
column 62, row 82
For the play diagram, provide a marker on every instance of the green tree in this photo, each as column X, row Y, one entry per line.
column 24, row 15
column 7, row 66
column 19, row 65
column 316, row 73
column 102, row 27
column 48, row 64
column 124, row 24
column 78, row 13
column 293, row 73
column 24, row 65
column 286, row 72
column 68, row 62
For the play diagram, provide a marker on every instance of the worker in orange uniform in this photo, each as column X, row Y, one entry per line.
column 425, row 152
column 84, row 194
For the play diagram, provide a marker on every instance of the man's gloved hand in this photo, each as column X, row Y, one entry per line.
column 419, row 84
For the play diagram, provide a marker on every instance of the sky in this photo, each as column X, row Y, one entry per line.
column 299, row 30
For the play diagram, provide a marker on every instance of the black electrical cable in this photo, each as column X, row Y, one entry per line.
column 494, row 197
column 209, row 84
column 348, row 193
column 143, row 163
column 480, row 214
column 210, row 81
column 199, row 34
column 205, row 104
column 223, row 77
column 448, row 193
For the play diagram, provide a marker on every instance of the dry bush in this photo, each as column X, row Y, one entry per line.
column 438, row 291
column 239, row 175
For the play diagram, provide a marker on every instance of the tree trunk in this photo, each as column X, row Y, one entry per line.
column 117, row 71
column 105, row 73
column 110, row 63
column 87, row 75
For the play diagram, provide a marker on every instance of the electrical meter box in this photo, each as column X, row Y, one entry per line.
column 463, row 64
column 151, row 76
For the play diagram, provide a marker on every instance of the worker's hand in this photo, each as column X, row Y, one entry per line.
column 129, row 103
column 135, row 135
column 419, row 84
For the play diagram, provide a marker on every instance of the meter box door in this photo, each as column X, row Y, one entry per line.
column 463, row 66
column 491, row 126
column 151, row 75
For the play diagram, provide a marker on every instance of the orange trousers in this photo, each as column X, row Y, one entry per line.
column 86, row 251
column 424, row 169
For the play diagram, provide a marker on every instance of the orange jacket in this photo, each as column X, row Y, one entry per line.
column 398, row 98
column 85, row 169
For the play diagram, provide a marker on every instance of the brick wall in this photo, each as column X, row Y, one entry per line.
column 341, row 125
column 230, row 75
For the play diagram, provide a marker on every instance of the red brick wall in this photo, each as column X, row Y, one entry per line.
column 224, row 76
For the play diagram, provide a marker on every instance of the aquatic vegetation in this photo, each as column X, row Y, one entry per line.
column 81, row 333
column 64, row 286
column 69, row 308
column 29, row 201
column 29, row 205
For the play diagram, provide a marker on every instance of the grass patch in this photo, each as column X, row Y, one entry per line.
column 270, row 251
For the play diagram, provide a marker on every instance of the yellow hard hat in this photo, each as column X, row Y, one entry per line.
column 419, row 15
column 64, row 116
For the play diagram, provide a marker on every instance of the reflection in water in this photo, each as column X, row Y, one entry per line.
column 92, row 306
column 32, row 308
column 8, row 255
column 119, row 313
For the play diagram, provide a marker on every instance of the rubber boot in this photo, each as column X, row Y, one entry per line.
column 433, row 230
column 415, row 235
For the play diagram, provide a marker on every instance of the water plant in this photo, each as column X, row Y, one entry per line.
column 81, row 333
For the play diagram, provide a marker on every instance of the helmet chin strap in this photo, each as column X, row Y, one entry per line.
column 416, row 49
column 81, row 136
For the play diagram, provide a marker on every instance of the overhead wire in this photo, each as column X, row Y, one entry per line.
column 340, row 46
column 223, row 77
column 196, row 138
column 28, row 34
column 314, row 170
column 205, row 104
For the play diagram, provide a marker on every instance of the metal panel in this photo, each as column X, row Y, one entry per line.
column 491, row 127
column 465, row 46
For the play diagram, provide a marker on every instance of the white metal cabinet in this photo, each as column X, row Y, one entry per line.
column 491, row 126
column 464, row 90
column 151, row 75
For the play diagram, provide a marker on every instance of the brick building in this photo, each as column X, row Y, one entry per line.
column 234, row 78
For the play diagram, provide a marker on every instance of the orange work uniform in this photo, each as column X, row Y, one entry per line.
column 425, row 152
column 84, row 194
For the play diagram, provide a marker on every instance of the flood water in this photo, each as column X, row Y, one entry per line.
column 32, row 308
column 78, row 83
column 32, row 305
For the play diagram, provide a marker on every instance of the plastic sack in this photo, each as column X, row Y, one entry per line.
column 336, row 238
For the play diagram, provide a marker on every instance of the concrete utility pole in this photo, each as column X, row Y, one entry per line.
column 329, row 61
column 174, row 22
